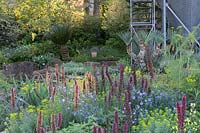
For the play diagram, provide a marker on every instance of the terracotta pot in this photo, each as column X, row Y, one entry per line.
column 94, row 54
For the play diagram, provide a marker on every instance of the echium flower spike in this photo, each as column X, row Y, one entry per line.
column 116, row 117
column 100, row 130
column 110, row 97
column 109, row 77
column 146, row 87
column 76, row 95
column 180, row 117
column 115, row 128
column 103, row 77
column 59, row 121
column 121, row 81
column 83, row 85
column 184, row 106
column 63, row 73
column 127, row 106
column 54, row 91
column 48, row 128
column 105, row 130
column 12, row 98
column 94, row 129
column 49, row 91
column 42, row 130
column 125, row 127
column 96, row 79
column 53, row 123
column 134, row 76
column 39, row 122
column 57, row 72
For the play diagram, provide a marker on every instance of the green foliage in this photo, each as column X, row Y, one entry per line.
column 76, row 68
column 9, row 33
column 43, row 60
column 157, row 121
column 115, row 16
column 60, row 34
column 79, row 127
column 106, row 53
column 5, row 84
column 127, row 38
column 45, row 13
column 192, row 120
column 26, row 52
column 149, row 38
column 115, row 43
column 33, row 93
column 179, row 64
column 3, row 59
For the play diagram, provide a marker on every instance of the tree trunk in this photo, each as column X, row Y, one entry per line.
column 149, row 62
column 64, row 52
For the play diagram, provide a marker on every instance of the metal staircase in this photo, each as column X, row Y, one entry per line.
column 142, row 15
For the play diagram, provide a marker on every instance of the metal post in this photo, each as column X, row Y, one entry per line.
column 164, row 24
column 154, row 15
column 131, row 27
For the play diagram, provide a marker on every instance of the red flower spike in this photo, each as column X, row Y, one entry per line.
column 115, row 128
column 100, row 130
column 59, row 121
column 125, row 127
column 116, row 117
column 12, row 98
column 53, row 123
column 105, row 130
column 94, row 129
column 39, row 122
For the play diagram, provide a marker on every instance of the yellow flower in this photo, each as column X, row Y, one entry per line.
column 126, row 69
column 138, row 73
column 192, row 105
column 33, row 35
column 129, row 70
column 31, row 109
column 45, row 101
column 190, row 80
column 25, row 89
column 13, row 115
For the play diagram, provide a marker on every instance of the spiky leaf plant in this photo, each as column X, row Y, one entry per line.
column 144, row 40
column 126, row 37
column 60, row 34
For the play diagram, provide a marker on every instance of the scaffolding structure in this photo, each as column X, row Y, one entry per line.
column 146, row 20
column 142, row 17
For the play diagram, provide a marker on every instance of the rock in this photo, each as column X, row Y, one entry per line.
column 18, row 69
